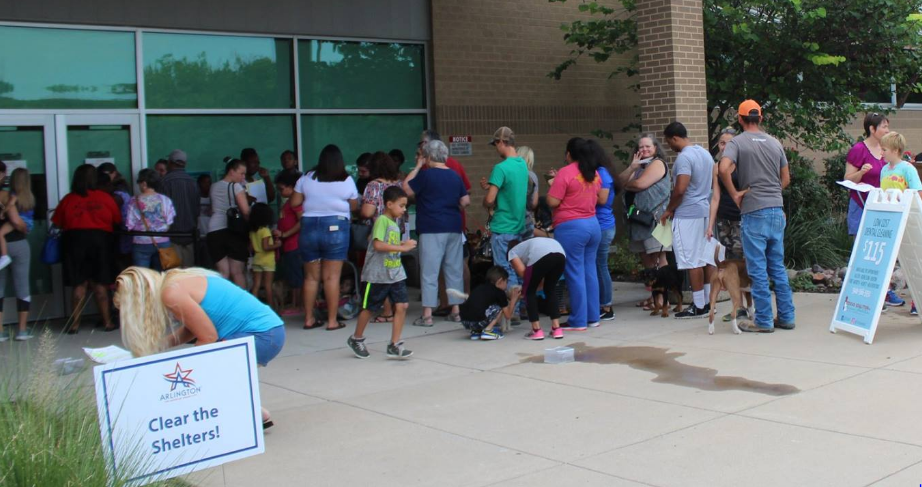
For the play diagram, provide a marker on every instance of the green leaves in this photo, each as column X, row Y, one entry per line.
column 826, row 59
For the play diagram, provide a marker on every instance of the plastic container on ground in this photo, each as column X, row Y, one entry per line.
column 558, row 355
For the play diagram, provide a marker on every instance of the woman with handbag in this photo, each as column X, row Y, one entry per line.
column 150, row 211
column 647, row 189
column 87, row 217
column 329, row 197
column 384, row 173
column 228, row 232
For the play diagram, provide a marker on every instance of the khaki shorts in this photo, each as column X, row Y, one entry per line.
column 263, row 268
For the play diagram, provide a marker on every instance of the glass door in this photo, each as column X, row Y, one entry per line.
column 96, row 139
column 28, row 141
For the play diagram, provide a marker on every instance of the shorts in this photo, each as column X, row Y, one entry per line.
column 292, row 269
column 263, row 268
column 267, row 343
column 648, row 246
column 689, row 242
column 88, row 255
column 376, row 293
column 490, row 314
column 854, row 217
column 728, row 234
column 324, row 238
column 225, row 243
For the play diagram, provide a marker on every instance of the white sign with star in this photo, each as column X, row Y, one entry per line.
column 177, row 412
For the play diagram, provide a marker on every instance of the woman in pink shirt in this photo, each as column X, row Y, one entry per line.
column 573, row 197
column 864, row 162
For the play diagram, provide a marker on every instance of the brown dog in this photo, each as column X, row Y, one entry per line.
column 732, row 277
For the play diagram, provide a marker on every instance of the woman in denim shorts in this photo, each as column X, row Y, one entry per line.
column 329, row 196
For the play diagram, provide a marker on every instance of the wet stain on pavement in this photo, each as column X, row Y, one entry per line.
column 669, row 370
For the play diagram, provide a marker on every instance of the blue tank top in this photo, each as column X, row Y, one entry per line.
column 233, row 310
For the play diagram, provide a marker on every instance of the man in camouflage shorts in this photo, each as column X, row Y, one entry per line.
column 728, row 234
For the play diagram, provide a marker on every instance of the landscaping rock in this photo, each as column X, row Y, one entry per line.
column 837, row 282
column 791, row 274
column 898, row 279
column 817, row 268
column 819, row 277
column 841, row 272
column 820, row 288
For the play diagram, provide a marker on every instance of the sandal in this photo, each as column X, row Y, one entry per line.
column 317, row 324
column 383, row 319
column 422, row 321
column 441, row 312
column 455, row 318
column 339, row 326
column 268, row 424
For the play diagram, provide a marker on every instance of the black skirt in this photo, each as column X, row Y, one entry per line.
column 88, row 256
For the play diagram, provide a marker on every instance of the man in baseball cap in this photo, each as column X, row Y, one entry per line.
column 507, row 190
column 183, row 190
column 763, row 173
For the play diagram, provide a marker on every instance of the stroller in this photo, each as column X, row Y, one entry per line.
column 350, row 299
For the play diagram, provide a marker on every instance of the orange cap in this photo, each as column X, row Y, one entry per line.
column 747, row 107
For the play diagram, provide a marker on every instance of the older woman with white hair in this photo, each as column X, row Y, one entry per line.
column 440, row 196
column 207, row 308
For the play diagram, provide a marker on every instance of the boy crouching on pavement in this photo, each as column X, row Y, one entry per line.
column 487, row 304
column 383, row 272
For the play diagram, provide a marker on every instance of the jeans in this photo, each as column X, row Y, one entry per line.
column 580, row 240
column 440, row 251
column 324, row 238
column 145, row 255
column 763, row 245
column 499, row 244
column 267, row 343
column 601, row 263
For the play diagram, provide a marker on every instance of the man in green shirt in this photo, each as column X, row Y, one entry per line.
column 506, row 190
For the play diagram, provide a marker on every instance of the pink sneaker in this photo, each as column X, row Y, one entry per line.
column 557, row 333
column 535, row 335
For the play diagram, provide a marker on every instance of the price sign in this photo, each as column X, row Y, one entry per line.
column 874, row 254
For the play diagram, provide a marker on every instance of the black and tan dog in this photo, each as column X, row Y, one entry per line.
column 662, row 280
column 732, row 277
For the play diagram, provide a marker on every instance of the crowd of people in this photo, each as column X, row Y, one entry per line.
column 282, row 241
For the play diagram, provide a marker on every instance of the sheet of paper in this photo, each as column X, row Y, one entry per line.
column 861, row 187
column 663, row 233
column 107, row 355
column 257, row 189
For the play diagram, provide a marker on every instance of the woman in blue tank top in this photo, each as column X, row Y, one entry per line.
column 207, row 308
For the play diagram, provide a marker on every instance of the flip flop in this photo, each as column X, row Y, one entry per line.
column 317, row 324
column 422, row 322
column 339, row 326
column 383, row 319
column 456, row 318
column 268, row 424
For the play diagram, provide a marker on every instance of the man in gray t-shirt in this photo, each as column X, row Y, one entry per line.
column 763, row 173
column 689, row 209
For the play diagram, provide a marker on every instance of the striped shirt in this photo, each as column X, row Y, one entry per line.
column 183, row 190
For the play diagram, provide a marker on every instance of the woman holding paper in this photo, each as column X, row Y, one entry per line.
column 863, row 164
column 207, row 308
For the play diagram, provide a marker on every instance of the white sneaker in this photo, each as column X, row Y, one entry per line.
column 5, row 260
column 22, row 336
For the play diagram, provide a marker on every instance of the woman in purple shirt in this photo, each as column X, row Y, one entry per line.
column 864, row 162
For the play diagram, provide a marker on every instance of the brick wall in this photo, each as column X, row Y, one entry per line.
column 490, row 65
column 672, row 79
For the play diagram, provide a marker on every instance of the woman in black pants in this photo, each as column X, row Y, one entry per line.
column 546, row 258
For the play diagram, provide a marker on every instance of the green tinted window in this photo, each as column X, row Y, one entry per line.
column 336, row 74
column 207, row 139
column 87, row 144
column 63, row 68
column 204, row 71
column 355, row 134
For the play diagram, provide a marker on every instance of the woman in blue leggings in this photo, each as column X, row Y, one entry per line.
column 573, row 197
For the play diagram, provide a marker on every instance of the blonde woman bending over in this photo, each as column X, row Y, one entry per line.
column 207, row 308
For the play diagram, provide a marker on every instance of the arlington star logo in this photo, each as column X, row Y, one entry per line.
column 179, row 377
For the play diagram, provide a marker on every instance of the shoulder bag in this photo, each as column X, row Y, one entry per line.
column 235, row 221
column 169, row 258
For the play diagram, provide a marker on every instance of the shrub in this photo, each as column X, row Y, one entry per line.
column 49, row 431
column 835, row 171
column 622, row 261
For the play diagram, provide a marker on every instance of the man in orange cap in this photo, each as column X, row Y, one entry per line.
column 763, row 173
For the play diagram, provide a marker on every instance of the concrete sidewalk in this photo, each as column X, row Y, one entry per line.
column 650, row 401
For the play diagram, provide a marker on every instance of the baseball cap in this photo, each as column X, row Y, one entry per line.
column 177, row 157
column 502, row 134
column 748, row 106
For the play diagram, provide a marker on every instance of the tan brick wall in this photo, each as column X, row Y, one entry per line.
column 490, row 65
column 672, row 79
